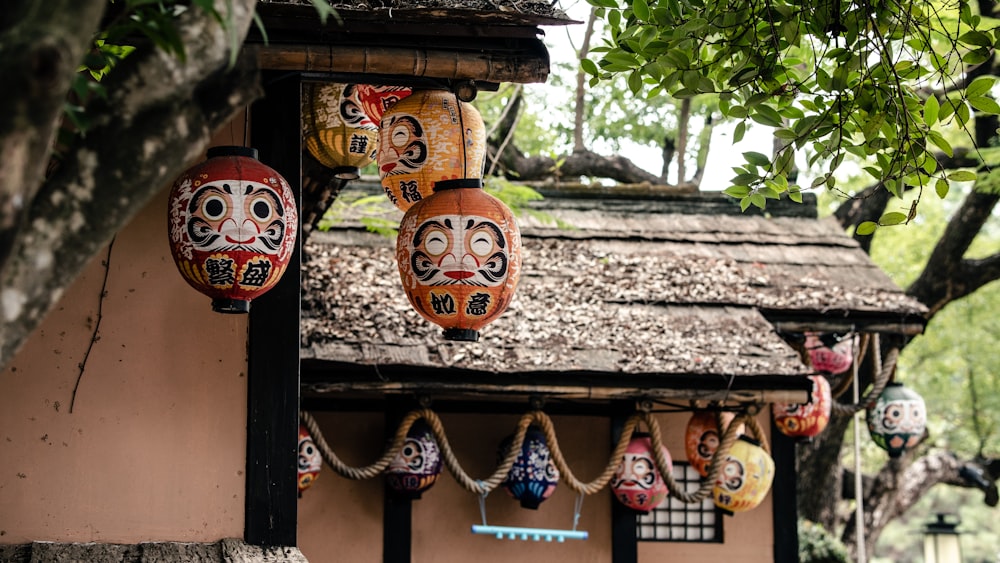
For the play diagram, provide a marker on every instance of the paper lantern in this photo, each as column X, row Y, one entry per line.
column 428, row 137
column 805, row 420
column 376, row 100
column 701, row 438
column 310, row 460
column 897, row 420
column 534, row 476
column 829, row 354
column 418, row 464
column 637, row 483
column 745, row 478
column 232, row 224
column 336, row 131
column 459, row 258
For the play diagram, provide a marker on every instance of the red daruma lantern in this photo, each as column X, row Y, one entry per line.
column 459, row 257
column 745, row 477
column 702, row 437
column 376, row 100
column 636, row 483
column 426, row 138
column 232, row 224
column 310, row 460
column 805, row 420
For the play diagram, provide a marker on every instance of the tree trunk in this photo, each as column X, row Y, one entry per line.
column 581, row 81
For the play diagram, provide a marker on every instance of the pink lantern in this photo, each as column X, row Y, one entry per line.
column 829, row 354
column 636, row 482
column 310, row 460
column 232, row 223
column 805, row 420
column 417, row 466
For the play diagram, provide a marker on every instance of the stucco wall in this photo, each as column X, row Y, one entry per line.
column 155, row 446
column 341, row 520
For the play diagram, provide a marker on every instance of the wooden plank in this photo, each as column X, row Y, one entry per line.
column 273, row 344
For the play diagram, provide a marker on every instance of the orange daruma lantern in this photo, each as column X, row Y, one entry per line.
column 701, row 438
column 232, row 224
column 745, row 477
column 425, row 138
column 459, row 257
column 805, row 420
column 336, row 130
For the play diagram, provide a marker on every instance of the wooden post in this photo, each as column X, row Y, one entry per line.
column 273, row 341
column 785, row 510
column 624, row 542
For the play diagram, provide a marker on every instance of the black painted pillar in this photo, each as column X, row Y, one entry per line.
column 624, row 543
column 273, row 340
column 786, row 513
column 397, row 509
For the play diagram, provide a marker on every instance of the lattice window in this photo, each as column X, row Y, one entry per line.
column 674, row 520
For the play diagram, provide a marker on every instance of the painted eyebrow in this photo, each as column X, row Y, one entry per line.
column 496, row 231
column 419, row 235
column 204, row 192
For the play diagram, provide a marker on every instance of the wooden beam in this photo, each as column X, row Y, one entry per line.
column 273, row 342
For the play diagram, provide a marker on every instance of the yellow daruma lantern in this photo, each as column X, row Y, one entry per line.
column 336, row 130
column 459, row 257
column 745, row 477
column 430, row 136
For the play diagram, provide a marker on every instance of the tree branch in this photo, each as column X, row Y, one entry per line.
column 159, row 117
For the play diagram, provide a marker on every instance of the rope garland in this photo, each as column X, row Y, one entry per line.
column 485, row 486
column 881, row 378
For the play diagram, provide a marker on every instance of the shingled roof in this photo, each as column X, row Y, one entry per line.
column 662, row 297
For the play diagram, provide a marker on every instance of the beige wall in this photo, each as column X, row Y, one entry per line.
column 341, row 520
column 155, row 446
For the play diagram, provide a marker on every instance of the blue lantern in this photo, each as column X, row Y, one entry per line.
column 534, row 475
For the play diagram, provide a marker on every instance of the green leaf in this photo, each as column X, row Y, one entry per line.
column 931, row 108
column 739, row 131
column 737, row 191
column 766, row 115
column 940, row 142
column 941, row 187
column 892, row 218
column 641, row 9
column 744, row 203
column 985, row 105
column 757, row 158
column 589, row 67
column 635, row 81
column 866, row 228
column 962, row 176
column 980, row 86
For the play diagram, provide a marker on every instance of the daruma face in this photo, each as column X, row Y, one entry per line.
column 236, row 215
column 458, row 253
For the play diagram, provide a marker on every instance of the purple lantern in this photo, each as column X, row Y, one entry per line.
column 418, row 463
column 534, row 476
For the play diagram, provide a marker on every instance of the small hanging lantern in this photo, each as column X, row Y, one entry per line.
column 805, row 420
column 830, row 354
column 376, row 100
column 534, row 476
column 336, row 130
column 232, row 223
column 745, row 477
column 897, row 420
column 459, row 257
column 310, row 460
column 636, row 483
column 426, row 138
column 701, row 438
column 418, row 465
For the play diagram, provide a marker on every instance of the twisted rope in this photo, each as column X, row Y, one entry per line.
column 485, row 486
column 845, row 384
column 880, row 380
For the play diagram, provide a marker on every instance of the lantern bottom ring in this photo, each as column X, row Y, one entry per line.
column 347, row 172
column 461, row 334
column 232, row 306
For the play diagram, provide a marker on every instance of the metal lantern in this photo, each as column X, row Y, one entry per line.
column 459, row 258
column 636, row 483
column 376, row 100
column 805, row 420
column 310, row 460
column 941, row 540
column 428, row 137
column 829, row 353
column 534, row 476
column 745, row 478
column 897, row 420
column 232, row 224
column 336, row 130
column 418, row 464
column 702, row 437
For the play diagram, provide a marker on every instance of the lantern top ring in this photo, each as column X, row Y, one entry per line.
column 459, row 183
column 232, row 150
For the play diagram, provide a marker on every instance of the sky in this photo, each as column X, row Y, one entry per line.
column 562, row 43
